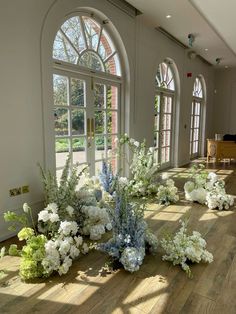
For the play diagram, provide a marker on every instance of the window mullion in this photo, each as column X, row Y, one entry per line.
column 83, row 31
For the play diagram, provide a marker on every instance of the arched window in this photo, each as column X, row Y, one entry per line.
column 164, row 103
column 196, row 112
column 86, row 89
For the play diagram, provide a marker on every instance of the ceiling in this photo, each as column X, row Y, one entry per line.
column 211, row 23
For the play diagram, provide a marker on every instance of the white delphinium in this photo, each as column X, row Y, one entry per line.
column 132, row 259
column 167, row 194
column 183, row 248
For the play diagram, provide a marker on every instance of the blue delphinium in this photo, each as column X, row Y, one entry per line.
column 129, row 233
column 107, row 178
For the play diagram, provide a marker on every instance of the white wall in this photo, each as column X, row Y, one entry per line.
column 225, row 101
column 22, row 126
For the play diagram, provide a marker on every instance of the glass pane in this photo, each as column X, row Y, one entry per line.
column 100, row 147
column 99, row 93
column 167, row 121
column 77, row 92
column 62, row 50
column 77, row 123
column 167, row 156
column 197, row 108
column 60, row 90
column 106, row 47
column 192, row 111
column 156, row 122
column 99, row 122
column 157, row 103
column 92, row 31
column 156, row 138
column 113, row 66
column 112, row 97
column 111, row 144
column 114, row 164
column 163, row 155
column 72, row 29
column 195, row 147
column 168, row 105
column 156, row 155
column 165, row 138
column 191, row 121
column 195, row 134
column 90, row 60
column 62, row 148
column 79, row 150
column 61, row 121
column 196, row 121
column 112, row 126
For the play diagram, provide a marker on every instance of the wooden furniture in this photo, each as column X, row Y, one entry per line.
column 221, row 149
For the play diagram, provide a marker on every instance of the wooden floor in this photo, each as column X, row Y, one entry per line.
column 157, row 288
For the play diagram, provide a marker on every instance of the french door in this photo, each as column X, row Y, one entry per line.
column 195, row 128
column 163, row 128
column 86, row 115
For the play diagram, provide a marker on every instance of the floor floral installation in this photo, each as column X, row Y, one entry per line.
column 73, row 218
column 206, row 188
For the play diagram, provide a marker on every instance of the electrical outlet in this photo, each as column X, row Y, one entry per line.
column 25, row 189
column 15, row 191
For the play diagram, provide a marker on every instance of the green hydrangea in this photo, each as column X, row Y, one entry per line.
column 32, row 255
column 25, row 233
column 13, row 250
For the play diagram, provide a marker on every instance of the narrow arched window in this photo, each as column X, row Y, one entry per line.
column 86, row 89
column 164, row 109
column 196, row 113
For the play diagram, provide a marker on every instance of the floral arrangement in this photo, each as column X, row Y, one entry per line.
column 45, row 253
column 143, row 167
column 167, row 193
column 207, row 188
column 130, row 234
column 83, row 205
column 183, row 249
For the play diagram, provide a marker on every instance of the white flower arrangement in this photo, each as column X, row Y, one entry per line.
column 207, row 188
column 143, row 166
column 182, row 248
column 167, row 194
column 96, row 222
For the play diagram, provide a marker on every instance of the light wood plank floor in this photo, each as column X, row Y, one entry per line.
column 158, row 287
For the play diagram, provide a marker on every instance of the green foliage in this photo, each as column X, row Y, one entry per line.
column 13, row 250
column 15, row 219
column 64, row 193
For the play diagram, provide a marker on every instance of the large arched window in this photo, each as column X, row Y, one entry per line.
column 86, row 89
column 164, row 103
column 196, row 112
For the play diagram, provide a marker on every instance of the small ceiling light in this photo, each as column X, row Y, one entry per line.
column 206, row 49
column 168, row 16
column 226, row 66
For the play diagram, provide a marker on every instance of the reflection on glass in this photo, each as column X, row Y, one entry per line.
column 113, row 65
column 111, row 122
column 92, row 61
column 77, row 92
column 99, row 92
column 60, row 90
column 79, row 150
column 112, row 97
column 62, row 148
column 77, row 123
column 61, row 121
column 62, row 49
column 99, row 122
column 72, row 29
column 100, row 147
column 92, row 31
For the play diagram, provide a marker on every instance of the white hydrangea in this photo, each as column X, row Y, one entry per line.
column 68, row 227
column 167, row 194
column 132, row 259
column 43, row 215
column 70, row 210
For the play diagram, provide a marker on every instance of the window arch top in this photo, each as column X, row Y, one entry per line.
column 197, row 88
column 165, row 76
column 81, row 40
